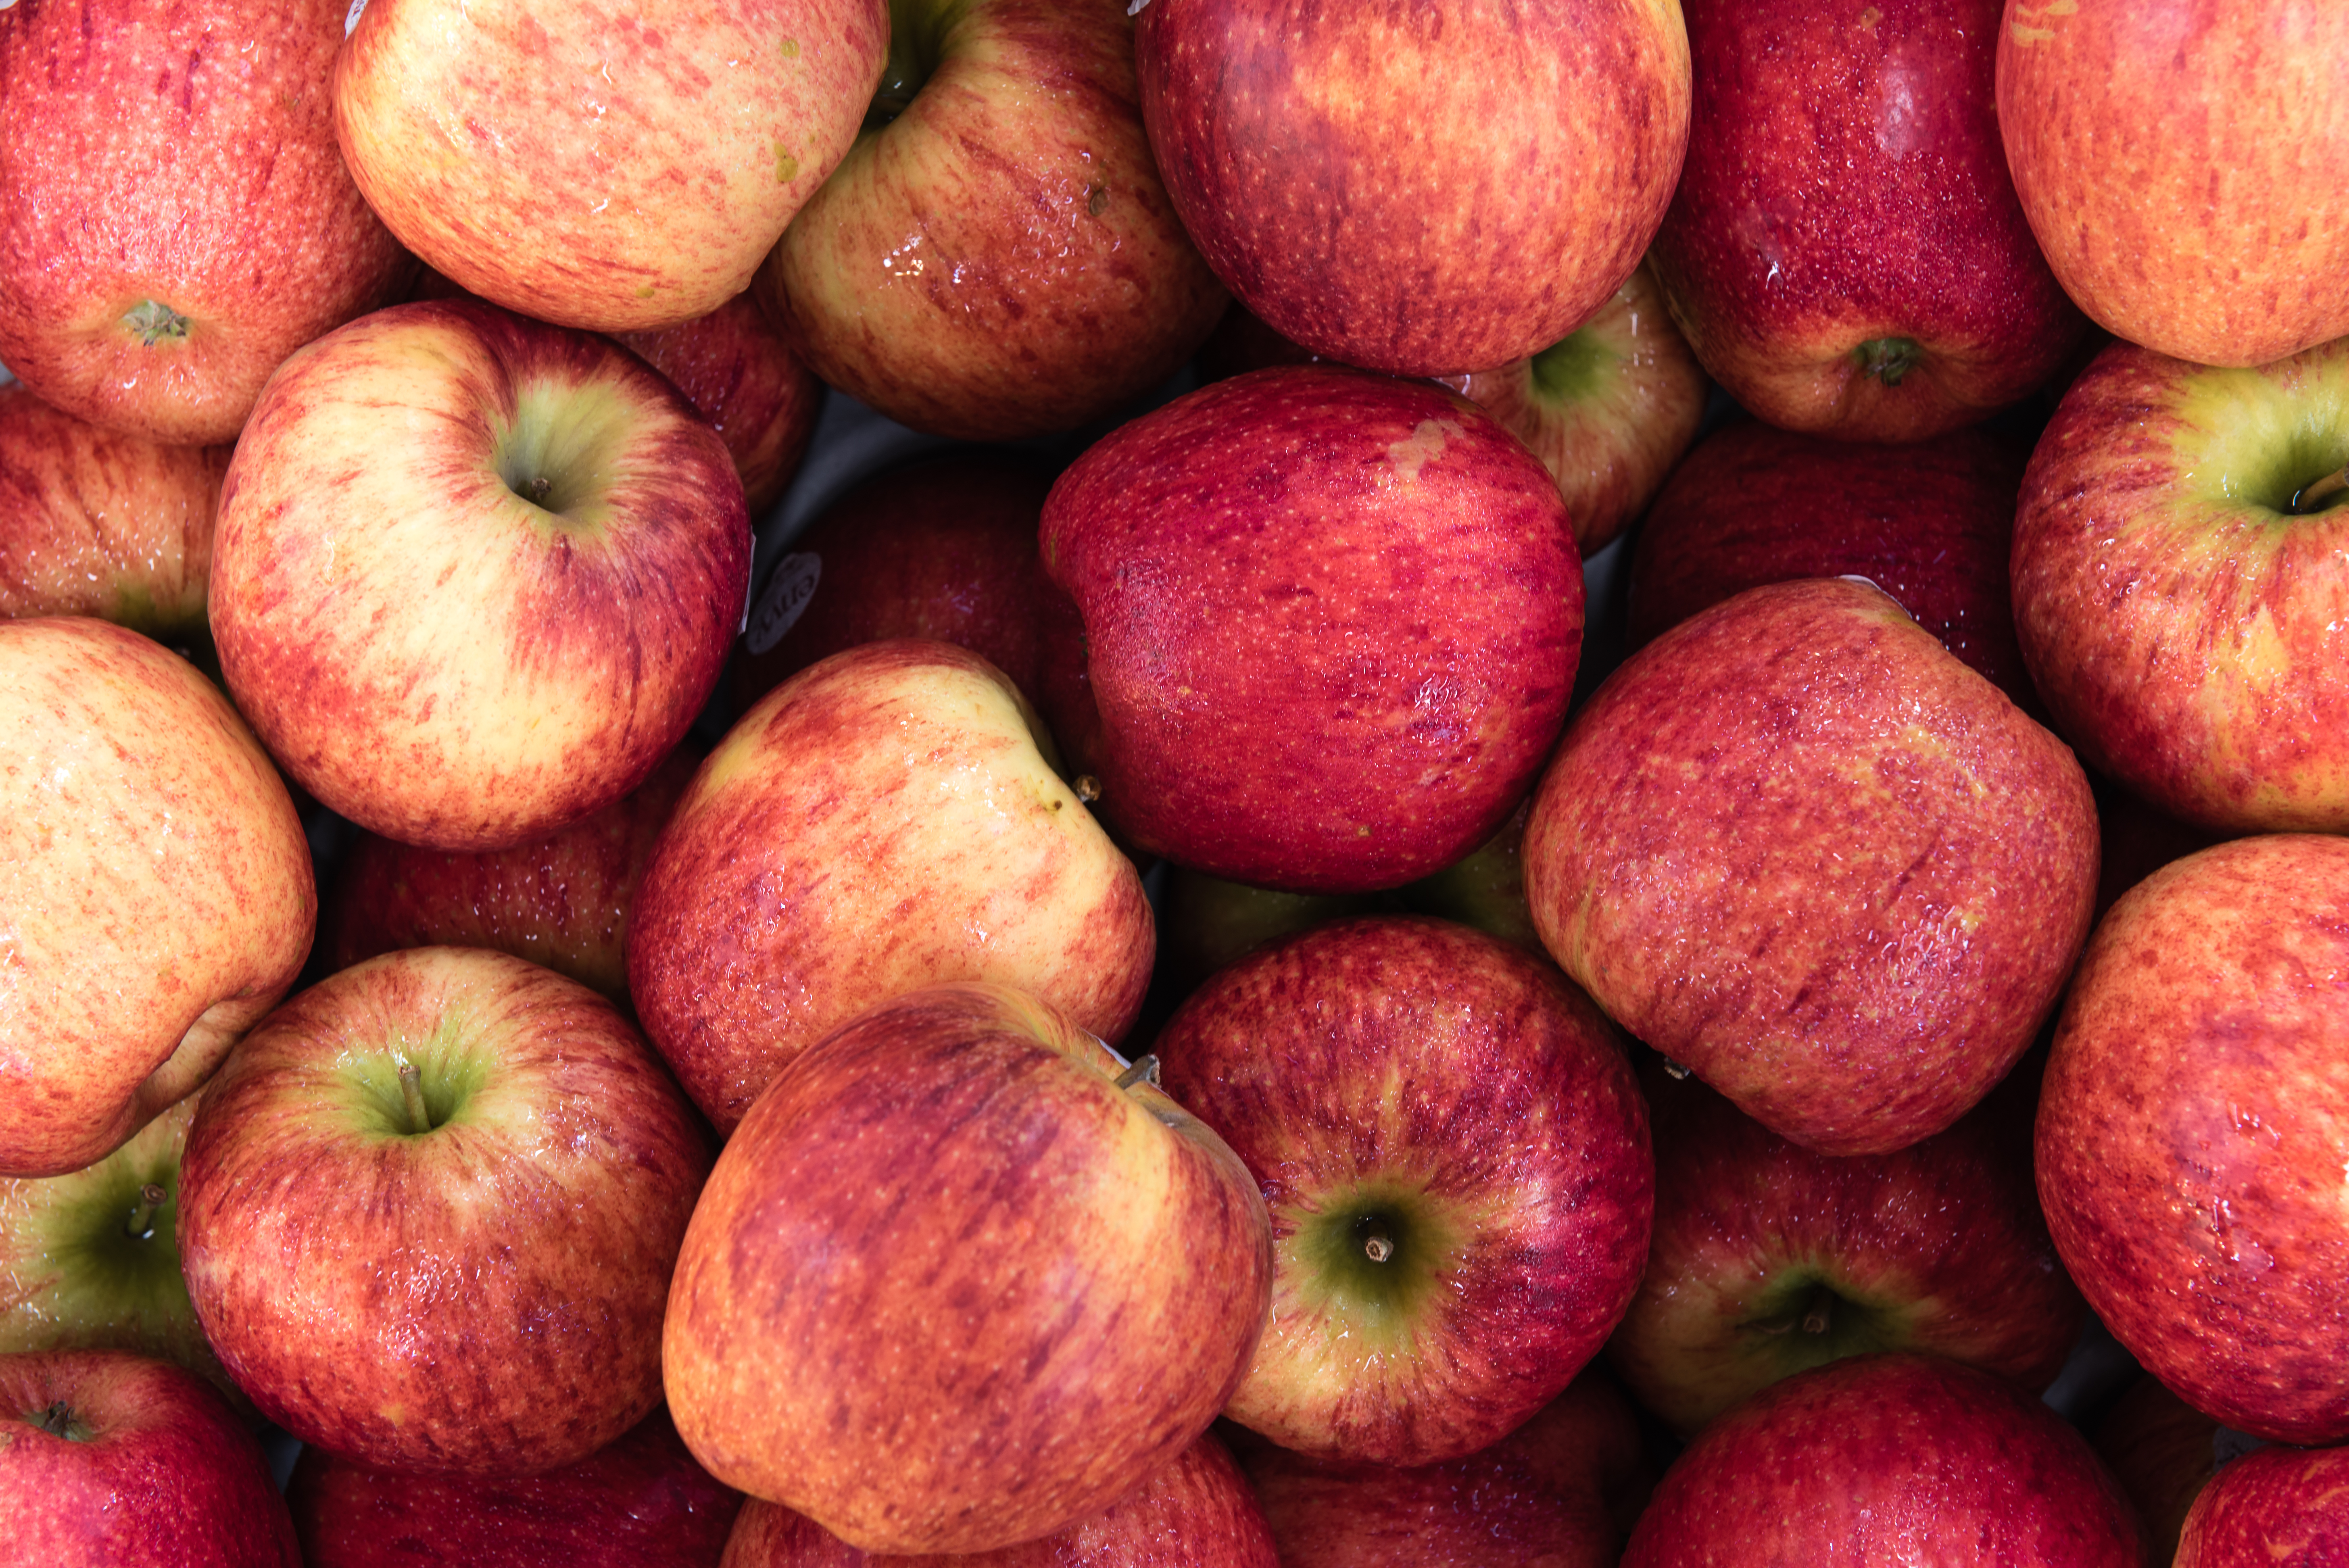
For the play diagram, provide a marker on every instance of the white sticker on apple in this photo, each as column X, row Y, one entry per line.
column 789, row 588
column 351, row 16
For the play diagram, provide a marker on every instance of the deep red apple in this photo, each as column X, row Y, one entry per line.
column 2163, row 1452
column 1330, row 624
column 2278, row 1508
column 1457, row 1161
column 739, row 374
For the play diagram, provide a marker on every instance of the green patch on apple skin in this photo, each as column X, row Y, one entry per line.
column 1802, row 1321
column 1369, row 1258
column 2251, row 439
column 1571, row 370
column 562, row 450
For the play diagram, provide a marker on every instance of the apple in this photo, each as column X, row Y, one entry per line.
column 1486, row 888
column 615, row 173
column 1560, row 1492
column 887, row 819
column 1930, row 523
column 2178, row 589
column 642, row 1502
column 429, row 1210
column 739, row 374
column 2194, row 1128
column 157, row 888
column 1884, row 1460
column 2146, row 145
column 174, row 217
column 474, row 575
column 111, row 1460
column 1844, row 250
column 996, row 257
column 2278, row 1508
column 2163, row 1452
column 1768, row 1258
column 1420, row 192
column 1798, row 847
column 1455, row 1157
column 942, row 547
column 1197, row 1511
column 562, row 901
column 958, row 1282
column 1330, row 624
column 96, row 523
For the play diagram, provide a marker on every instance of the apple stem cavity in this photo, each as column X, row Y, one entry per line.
column 411, row 1094
column 1820, row 1315
column 1144, row 1070
column 153, row 321
column 1888, row 358
column 1378, row 1243
column 143, row 1215
column 2318, row 494
column 538, row 489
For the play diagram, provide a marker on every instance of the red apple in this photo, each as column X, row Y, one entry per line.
column 2178, row 589
column 562, row 901
column 2278, row 1508
column 1797, row 846
column 174, row 217
column 1769, row 1259
column 642, row 1502
column 2147, row 144
column 739, row 374
column 2163, row 1452
column 1844, row 250
column 1457, row 1161
column 427, row 1214
column 1885, row 1462
column 157, row 889
column 959, row 1282
column 111, row 1460
column 474, row 575
column 1330, row 624
column 1196, row 1513
column 886, row 819
column 615, row 172
column 2194, row 1130
column 1425, row 191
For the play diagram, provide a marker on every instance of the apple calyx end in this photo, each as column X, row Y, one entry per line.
column 1888, row 358
column 152, row 321
column 56, row 1421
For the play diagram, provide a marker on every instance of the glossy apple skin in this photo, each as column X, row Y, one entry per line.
column 739, row 374
column 562, row 902
column 1930, row 523
column 2163, row 1452
column 884, row 820
column 158, row 887
column 1560, row 1492
column 2146, row 144
column 485, row 1297
column 1423, row 192
column 1886, row 1460
column 2190, row 1137
column 1000, row 260
column 97, row 522
column 642, row 1502
column 2179, row 621
column 181, row 154
column 1330, row 621
column 2278, row 1508
column 943, row 547
column 1197, row 1511
column 1846, row 184
column 1939, row 1247
column 154, row 1473
column 428, row 652
column 949, row 1204
column 615, row 172
column 1796, row 846
column 1455, row 1088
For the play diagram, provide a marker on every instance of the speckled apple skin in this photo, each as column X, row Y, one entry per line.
column 157, row 889
column 1197, row 1513
column 739, row 374
column 1941, row 1244
column 2186, row 631
column 1796, row 846
column 2277, row 1508
column 1846, row 183
column 1398, row 1051
column 951, row 1288
column 592, row 164
column 1886, row 1461
column 1330, row 620
column 883, row 820
column 2194, row 1128
column 642, row 1502
column 484, row 1298
column 1423, row 190
column 167, row 1478
column 182, row 153
column 428, row 652
column 2147, row 144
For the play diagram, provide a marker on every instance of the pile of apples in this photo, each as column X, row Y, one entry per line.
column 1320, row 939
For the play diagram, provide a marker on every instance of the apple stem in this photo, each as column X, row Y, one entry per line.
column 1087, row 786
column 412, row 1092
column 1673, row 1070
column 54, row 1419
column 1821, row 1316
column 1378, row 1245
column 1144, row 1070
column 2318, row 493
column 143, row 1215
